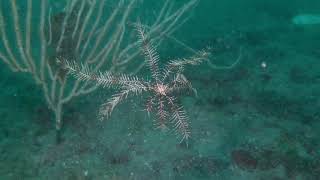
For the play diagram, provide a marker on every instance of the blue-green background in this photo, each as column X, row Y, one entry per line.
column 248, row 122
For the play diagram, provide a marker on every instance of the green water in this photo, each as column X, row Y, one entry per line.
column 255, row 120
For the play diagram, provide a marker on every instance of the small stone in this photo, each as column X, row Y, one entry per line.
column 244, row 159
column 86, row 172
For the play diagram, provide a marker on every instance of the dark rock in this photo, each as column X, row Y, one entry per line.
column 120, row 158
column 244, row 159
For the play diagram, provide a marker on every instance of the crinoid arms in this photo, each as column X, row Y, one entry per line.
column 162, row 91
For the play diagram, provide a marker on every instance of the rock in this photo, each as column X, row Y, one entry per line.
column 306, row 19
column 244, row 159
